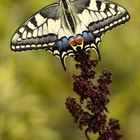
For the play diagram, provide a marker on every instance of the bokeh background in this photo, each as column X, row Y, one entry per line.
column 33, row 85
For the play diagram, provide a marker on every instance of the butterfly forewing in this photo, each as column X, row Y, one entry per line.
column 38, row 32
column 100, row 16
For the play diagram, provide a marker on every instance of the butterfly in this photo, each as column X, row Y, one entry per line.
column 69, row 26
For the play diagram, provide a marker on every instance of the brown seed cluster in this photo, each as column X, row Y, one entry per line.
column 90, row 112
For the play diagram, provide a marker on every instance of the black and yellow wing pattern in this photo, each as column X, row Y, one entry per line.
column 69, row 26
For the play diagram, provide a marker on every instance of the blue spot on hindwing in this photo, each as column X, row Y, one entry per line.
column 86, row 37
column 91, row 37
column 59, row 45
column 79, row 35
column 71, row 38
column 65, row 43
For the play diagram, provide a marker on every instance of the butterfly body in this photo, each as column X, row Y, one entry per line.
column 69, row 26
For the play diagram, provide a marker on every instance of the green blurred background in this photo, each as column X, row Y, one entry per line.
column 33, row 85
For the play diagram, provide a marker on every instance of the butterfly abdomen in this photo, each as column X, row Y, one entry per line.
column 68, row 16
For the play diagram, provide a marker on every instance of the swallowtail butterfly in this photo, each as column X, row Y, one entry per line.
column 69, row 26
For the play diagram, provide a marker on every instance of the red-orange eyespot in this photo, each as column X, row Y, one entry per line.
column 79, row 40
column 73, row 43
